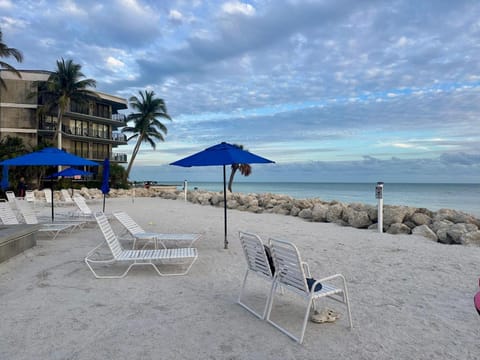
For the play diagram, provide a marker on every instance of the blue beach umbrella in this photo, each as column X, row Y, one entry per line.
column 70, row 173
column 48, row 157
column 222, row 154
column 105, row 180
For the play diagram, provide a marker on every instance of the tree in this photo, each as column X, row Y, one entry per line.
column 147, row 128
column 63, row 86
column 245, row 170
column 6, row 52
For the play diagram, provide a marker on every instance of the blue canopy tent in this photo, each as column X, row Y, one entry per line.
column 222, row 154
column 105, row 180
column 48, row 157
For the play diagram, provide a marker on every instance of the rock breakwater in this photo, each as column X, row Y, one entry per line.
column 446, row 226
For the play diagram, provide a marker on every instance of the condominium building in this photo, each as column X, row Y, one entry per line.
column 89, row 130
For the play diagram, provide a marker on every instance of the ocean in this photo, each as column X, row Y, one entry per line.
column 462, row 197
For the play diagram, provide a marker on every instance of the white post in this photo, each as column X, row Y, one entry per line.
column 379, row 196
column 185, row 184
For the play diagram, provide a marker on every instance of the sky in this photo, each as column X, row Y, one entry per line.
column 332, row 91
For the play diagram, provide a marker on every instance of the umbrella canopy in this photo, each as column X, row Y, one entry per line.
column 70, row 173
column 222, row 154
column 105, row 180
column 48, row 157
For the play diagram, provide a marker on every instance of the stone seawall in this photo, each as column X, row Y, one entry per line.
column 446, row 226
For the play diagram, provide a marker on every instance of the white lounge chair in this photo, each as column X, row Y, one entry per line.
column 84, row 210
column 30, row 217
column 30, row 196
column 11, row 198
column 48, row 195
column 294, row 275
column 257, row 264
column 67, row 199
column 8, row 217
column 178, row 256
column 138, row 233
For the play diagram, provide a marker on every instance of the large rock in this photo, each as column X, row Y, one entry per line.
column 305, row 214
column 398, row 228
column 357, row 218
column 456, row 217
column 457, row 231
column 319, row 212
column 396, row 214
column 471, row 238
column 425, row 231
column 421, row 219
column 334, row 213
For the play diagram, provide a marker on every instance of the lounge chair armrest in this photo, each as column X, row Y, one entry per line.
column 306, row 269
column 335, row 277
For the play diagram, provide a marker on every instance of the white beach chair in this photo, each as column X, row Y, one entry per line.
column 84, row 210
column 8, row 217
column 257, row 264
column 30, row 196
column 11, row 198
column 138, row 233
column 175, row 257
column 294, row 275
column 67, row 199
column 48, row 196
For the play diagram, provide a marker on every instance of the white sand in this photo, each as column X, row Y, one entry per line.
column 411, row 298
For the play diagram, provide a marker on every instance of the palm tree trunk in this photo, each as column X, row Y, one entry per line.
column 57, row 134
column 134, row 154
column 232, row 174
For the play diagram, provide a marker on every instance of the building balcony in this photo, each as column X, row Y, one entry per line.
column 119, row 157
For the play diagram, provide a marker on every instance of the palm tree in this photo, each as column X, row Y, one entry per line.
column 6, row 52
column 62, row 87
column 245, row 170
column 147, row 128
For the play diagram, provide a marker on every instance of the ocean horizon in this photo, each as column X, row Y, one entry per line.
column 433, row 196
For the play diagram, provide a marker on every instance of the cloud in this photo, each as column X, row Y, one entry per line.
column 237, row 7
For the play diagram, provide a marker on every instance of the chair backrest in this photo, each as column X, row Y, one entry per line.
column 30, row 196
column 48, row 195
column 110, row 237
column 27, row 212
column 255, row 254
column 7, row 215
column 128, row 222
column 66, row 196
column 10, row 196
column 82, row 205
column 288, row 266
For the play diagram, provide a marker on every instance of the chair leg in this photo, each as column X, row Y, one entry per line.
column 239, row 301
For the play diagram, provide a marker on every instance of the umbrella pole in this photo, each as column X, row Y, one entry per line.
column 225, row 207
column 103, row 202
column 51, row 187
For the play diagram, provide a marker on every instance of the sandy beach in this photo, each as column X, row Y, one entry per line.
column 411, row 298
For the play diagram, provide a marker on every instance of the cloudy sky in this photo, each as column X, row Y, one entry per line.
column 344, row 90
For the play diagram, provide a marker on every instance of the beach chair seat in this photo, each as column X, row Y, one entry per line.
column 8, row 217
column 258, row 264
column 293, row 275
column 138, row 233
column 177, row 257
column 54, row 228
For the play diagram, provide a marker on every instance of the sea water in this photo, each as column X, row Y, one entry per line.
column 462, row 197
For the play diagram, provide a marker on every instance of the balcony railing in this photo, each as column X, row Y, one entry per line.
column 119, row 117
column 119, row 157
